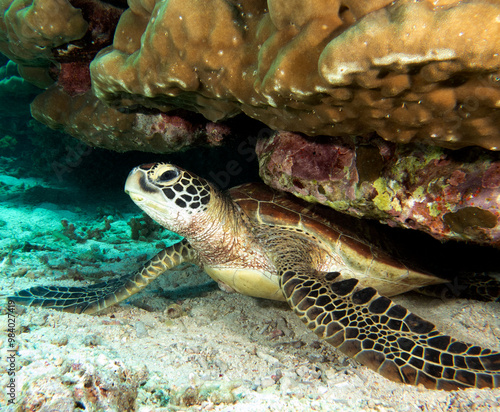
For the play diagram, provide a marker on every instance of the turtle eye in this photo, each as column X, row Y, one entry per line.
column 168, row 175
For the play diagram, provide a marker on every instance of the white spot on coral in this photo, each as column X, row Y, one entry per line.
column 321, row 89
column 299, row 92
column 402, row 58
column 270, row 101
column 342, row 70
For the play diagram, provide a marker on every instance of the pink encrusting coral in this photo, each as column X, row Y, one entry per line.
column 88, row 119
column 449, row 194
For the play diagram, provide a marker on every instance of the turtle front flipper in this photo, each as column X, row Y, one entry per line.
column 94, row 298
column 385, row 336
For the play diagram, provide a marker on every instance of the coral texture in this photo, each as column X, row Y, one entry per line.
column 30, row 29
column 35, row 37
column 48, row 47
column 410, row 71
column 449, row 194
column 85, row 117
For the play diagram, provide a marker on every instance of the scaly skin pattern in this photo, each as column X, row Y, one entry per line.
column 254, row 246
column 92, row 299
column 381, row 335
column 386, row 337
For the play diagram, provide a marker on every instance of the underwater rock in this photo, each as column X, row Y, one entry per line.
column 425, row 71
column 450, row 194
column 48, row 393
column 85, row 117
column 410, row 71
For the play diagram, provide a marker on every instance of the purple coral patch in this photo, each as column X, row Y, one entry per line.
column 444, row 193
column 491, row 178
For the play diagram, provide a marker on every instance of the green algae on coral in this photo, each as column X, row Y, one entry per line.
column 385, row 199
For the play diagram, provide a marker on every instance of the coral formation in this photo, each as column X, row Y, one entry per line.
column 411, row 71
column 74, row 58
column 30, row 29
column 449, row 194
column 87, row 118
column 35, row 37
column 8, row 142
column 85, row 233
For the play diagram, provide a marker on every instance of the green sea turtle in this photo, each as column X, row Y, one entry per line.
column 263, row 243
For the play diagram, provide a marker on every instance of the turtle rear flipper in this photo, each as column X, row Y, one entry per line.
column 385, row 336
column 94, row 298
column 480, row 286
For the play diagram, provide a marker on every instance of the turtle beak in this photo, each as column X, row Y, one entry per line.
column 142, row 191
column 137, row 184
column 132, row 182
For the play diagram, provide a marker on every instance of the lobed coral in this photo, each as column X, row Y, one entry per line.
column 49, row 45
column 30, row 29
column 85, row 117
column 448, row 194
column 410, row 71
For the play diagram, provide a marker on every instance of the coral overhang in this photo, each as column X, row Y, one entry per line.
column 410, row 79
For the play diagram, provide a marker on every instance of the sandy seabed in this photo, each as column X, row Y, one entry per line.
column 182, row 344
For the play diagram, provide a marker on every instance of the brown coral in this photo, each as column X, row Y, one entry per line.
column 29, row 30
column 37, row 38
column 411, row 71
column 85, row 117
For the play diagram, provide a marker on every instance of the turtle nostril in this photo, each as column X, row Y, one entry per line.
column 135, row 197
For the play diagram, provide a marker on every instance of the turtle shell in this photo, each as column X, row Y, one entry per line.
column 415, row 249
column 349, row 242
column 265, row 205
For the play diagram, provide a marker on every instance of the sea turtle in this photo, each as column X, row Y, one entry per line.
column 267, row 244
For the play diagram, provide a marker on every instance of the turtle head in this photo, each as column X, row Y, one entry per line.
column 174, row 197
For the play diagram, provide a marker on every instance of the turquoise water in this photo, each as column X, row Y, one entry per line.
column 63, row 213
